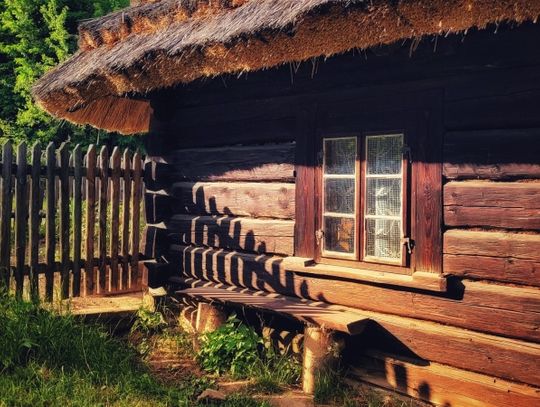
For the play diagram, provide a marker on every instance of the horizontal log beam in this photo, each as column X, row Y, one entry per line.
column 513, row 205
column 249, row 199
column 255, row 235
column 440, row 384
column 498, row 256
column 503, row 310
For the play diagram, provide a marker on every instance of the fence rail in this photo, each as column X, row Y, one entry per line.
column 54, row 204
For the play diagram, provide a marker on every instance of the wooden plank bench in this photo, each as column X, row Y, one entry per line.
column 323, row 315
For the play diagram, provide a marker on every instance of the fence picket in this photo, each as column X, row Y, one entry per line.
column 5, row 219
column 102, row 242
column 50, row 229
column 20, row 218
column 136, row 213
column 126, row 167
column 77, row 219
column 63, row 163
column 90, row 218
column 115, row 217
column 35, row 206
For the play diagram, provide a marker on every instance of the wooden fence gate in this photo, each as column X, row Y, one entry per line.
column 72, row 225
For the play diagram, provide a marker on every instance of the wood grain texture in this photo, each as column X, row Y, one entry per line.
column 492, row 154
column 77, row 219
column 103, row 281
column 441, row 384
column 126, row 215
column 36, row 202
column 248, row 199
column 21, row 215
column 271, row 162
column 63, row 163
column 255, row 235
column 503, row 310
column 513, row 205
column 50, row 227
column 5, row 220
column 136, row 166
column 115, row 218
column 90, row 277
column 499, row 256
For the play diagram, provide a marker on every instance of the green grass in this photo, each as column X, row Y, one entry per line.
column 47, row 359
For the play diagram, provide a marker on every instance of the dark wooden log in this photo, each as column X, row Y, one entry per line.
column 272, row 162
column 115, row 218
column 35, row 220
column 103, row 280
column 136, row 216
column 90, row 278
column 21, row 214
column 513, row 312
column 63, row 164
column 51, row 220
column 498, row 256
column 77, row 219
column 249, row 199
column 513, row 205
column 440, row 384
column 255, row 235
column 492, row 154
column 126, row 214
column 5, row 220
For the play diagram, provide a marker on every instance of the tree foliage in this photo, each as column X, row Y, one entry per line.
column 36, row 35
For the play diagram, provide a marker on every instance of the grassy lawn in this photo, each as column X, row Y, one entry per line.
column 48, row 359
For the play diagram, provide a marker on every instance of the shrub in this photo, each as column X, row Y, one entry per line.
column 232, row 349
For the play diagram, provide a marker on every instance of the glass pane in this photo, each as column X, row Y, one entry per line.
column 383, row 196
column 339, row 234
column 339, row 195
column 339, row 156
column 384, row 154
column 383, row 239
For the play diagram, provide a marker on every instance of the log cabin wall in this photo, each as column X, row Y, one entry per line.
column 235, row 146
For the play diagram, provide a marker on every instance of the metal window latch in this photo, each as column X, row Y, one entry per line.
column 406, row 150
column 319, row 234
column 409, row 243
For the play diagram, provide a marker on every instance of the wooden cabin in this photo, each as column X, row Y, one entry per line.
column 371, row 169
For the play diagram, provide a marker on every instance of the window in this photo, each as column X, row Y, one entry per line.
column 364, row 190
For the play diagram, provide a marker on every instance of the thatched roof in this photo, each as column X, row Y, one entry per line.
column 162, row 43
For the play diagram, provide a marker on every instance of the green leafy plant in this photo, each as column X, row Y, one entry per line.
column 232, row 349
column 148, row 322
column 273, row 371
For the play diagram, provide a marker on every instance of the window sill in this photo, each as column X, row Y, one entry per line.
column 418, row 280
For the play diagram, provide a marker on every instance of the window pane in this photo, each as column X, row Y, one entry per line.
column 383, row 196
column 339, row 195
column 383, row 238
column 339, row 234
column 339, row 156
column 384, row 154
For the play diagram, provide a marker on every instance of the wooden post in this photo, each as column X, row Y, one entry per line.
column 63, row 163
column 35, row 221
column 115, row 218
column 77, row 219
column 126, row 167
column 90, row 219
column 209, row 317
column 136, row 213
column 319, row 349
column 21, row 208
column 102, row 242
column 5, row 218
column 50, row 225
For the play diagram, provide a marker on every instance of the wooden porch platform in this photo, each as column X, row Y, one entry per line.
column 122, row 304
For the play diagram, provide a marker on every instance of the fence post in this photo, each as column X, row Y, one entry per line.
column 35, row 206
column 77, row 219
column 20, row 218
column 136, row 214
column 102, row 242
column 90, row 218
column 126, row 167
column 5, row 218
column 63, row 162
column 115, row 217
column 51, row 223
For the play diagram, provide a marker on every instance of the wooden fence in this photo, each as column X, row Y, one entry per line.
column 62, row 203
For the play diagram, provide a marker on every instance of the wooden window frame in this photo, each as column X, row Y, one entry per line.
column 328, row 116
column 359, row 259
